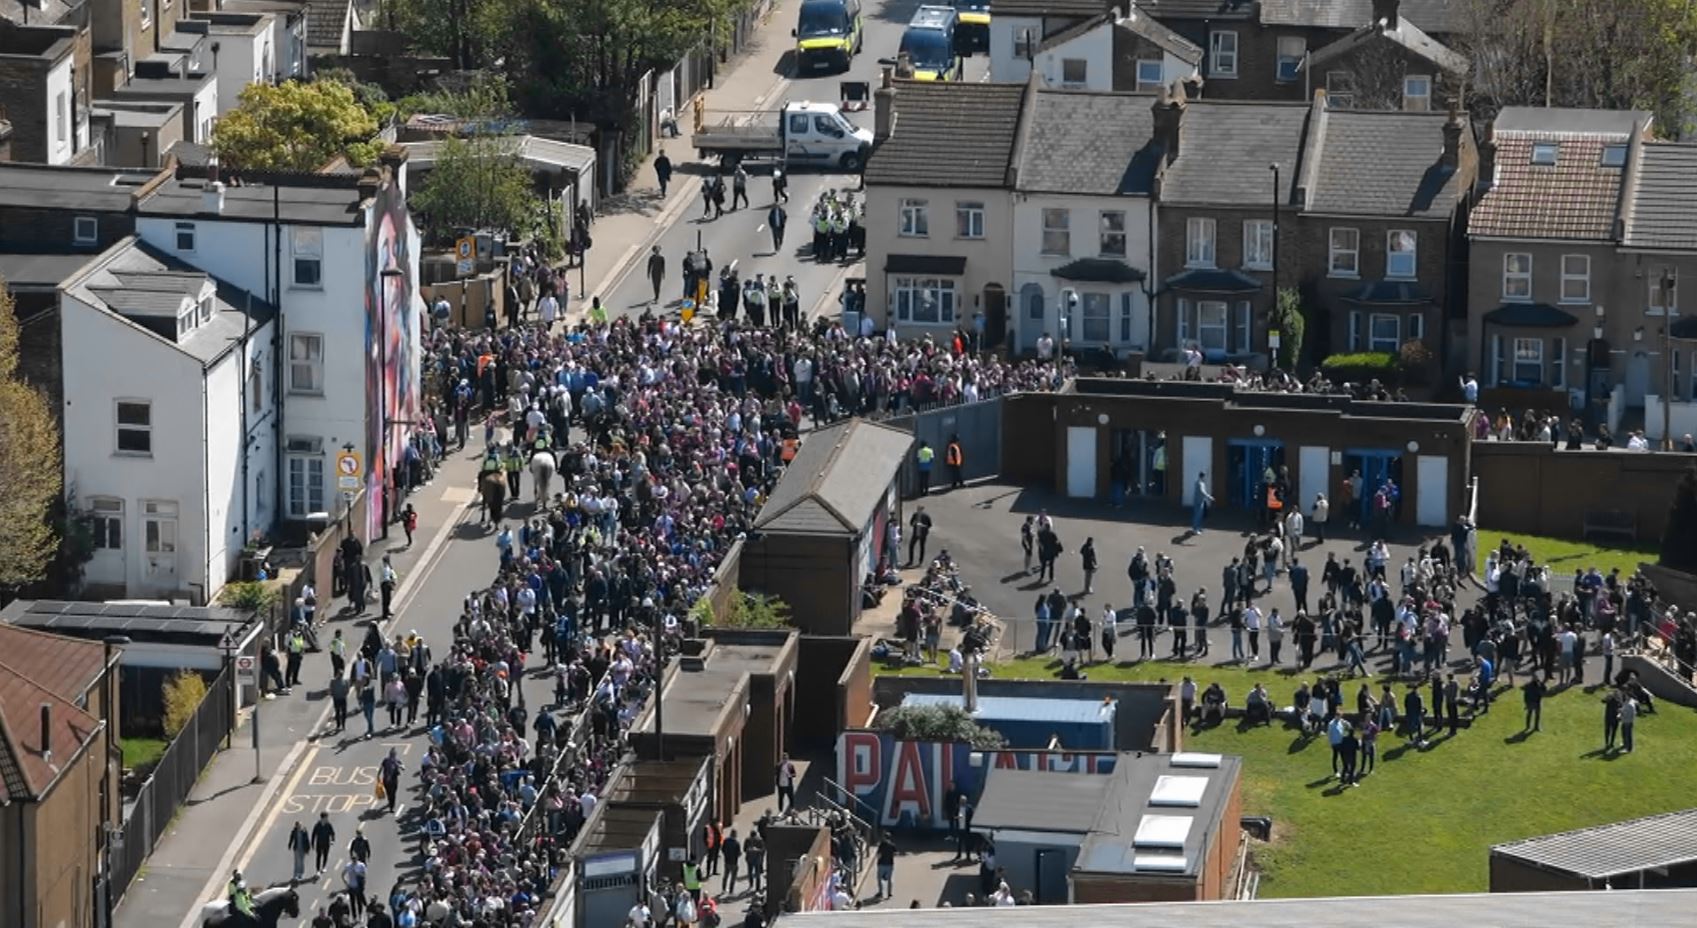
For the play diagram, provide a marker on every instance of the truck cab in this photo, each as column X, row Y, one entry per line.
column 819, row 134
column 828, row 34
column 929, row 44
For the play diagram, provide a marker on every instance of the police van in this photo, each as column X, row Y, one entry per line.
column 929, row 44
column 828, row 34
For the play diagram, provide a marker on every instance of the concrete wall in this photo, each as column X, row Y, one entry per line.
column 1027, row 415
column 1528, row 487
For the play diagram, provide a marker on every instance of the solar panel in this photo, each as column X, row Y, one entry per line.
column 151, row 625
column 85, row 608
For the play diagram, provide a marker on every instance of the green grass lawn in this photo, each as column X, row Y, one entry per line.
column 139, row 752
column 1563, row 556
column 1425, row 820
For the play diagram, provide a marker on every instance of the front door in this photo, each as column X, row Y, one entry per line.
column 1248, row 463
column 1637, row 379
column 1081, row 461
column 1032, row 317
column 159, row 539
column 995, row 316
column 1375, row 468
column 1051, row 877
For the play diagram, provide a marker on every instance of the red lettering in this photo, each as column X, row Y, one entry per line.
column 859, row 756
column 907, row 784
column 1007, row 760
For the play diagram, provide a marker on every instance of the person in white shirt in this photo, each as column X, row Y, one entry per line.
column 549, row 309
column 1045, row 346
column 1252, row 625
column 1470, row 388
column 1637, row 442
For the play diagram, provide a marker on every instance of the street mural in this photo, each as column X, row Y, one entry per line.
column 906, row 783
column 391, row 339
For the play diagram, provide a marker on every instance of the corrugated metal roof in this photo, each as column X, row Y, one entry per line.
column 836, row 479
column 1652, row 907
column 1613, row 849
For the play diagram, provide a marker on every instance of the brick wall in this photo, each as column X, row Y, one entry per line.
column 54, row 229
column 1228, row 253
column 1312, row 260
column 23, row 90
column 1528, row 487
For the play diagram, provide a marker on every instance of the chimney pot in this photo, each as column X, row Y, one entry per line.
column 1385, row 14
column 1453, row 128
column 1169, row 120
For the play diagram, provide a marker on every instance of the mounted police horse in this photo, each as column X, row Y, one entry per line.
column 269, row 908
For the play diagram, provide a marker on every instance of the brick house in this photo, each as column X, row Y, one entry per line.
column 1381, row 252
column 44, row 90
column 1554, row 300
column 1659, row 246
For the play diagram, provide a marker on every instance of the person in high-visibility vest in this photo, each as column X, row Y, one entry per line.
column 923, row 459
column 955, row 459
column 692, row 879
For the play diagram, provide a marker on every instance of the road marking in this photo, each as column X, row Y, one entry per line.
column 663, row 223
column 458, row 495
column 825, row 298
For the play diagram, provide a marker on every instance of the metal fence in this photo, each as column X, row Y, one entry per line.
column 147, row 817
column 979, row 428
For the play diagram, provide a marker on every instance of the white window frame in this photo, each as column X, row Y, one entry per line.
column 908, row 293
column 1208, row 322
column 1106, row 233
column 1396, row 257
column 1343, row 242
column 1057, row 232
column 1083, row 67
column 105, row 519
column 1576, row 271
column 1127, row 303
column 85, row 230
column 1385, row 343
column 1546, row 154
column 1199, row 242
column 1096, row 308
column 62, row 117
column 1657, row 303
column 1355, row 330
column 305, row 466
column 1222, row 61
column 305, row 360
column 1559, row 380
column 1340, row 90
column 146, row 13
column 120, row 428
column 1417, row 102
column 1258, row 244
column 1145, row 85
column 969, row 219
column 1243, row 327
column 1290, row 49
column 914, row 218
column 1517, row 284
column 306, row 251
column 1182, row 322
column 1516, row 359
column 185, row 232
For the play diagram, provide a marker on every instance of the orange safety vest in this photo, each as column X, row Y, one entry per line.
column 1273, row 501
column 951, row 457
column 788, row 453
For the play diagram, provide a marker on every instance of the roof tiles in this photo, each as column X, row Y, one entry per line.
column 1575, row 198
column 950, row 134
column 1662, row 206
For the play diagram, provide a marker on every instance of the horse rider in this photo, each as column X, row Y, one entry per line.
column 241, row 901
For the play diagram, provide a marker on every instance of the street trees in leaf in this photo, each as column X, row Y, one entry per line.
column 476, row 183
column 296, row 126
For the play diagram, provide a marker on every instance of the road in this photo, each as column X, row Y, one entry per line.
column 742, row 235
column 337, row 773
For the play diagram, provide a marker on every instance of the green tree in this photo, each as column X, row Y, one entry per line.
column 1290, row 322
column 249, row 595
column 296, row 126
column 1679, row 539
column 30, row 477
column 476, row 183
column 755, row 610
column 485, row 96
column 182, row 692
column 938, row 723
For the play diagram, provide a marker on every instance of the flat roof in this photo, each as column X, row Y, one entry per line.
column 1039, row 800
column 1647, row 907
column 43, row 270
column 655, row 781
column 43, row 186
column 616, row 828
column 577, row 158
column 1023, row 708
column 1610, row 850
column 323, row 204
column 140, row 621
column 700, row 690
column 1137, row 832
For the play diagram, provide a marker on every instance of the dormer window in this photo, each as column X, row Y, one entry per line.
column 205, row 310
column 1614, row 156
column 1544, row 153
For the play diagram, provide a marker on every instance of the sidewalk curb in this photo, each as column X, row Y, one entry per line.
column 241, row 849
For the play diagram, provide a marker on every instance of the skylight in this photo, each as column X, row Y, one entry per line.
column 1614, row 156
column 1178, row 791
column 1545, row 153
column 1162, row 831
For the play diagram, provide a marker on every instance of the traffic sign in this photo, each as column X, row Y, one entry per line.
column 465, row 256
column 348, row 470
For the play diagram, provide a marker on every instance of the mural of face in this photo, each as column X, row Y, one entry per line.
column 392, row 400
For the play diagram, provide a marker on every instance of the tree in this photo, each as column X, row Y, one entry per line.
column 30, row 476
column 296, row 127
column 476, row 183
column 483, row 96
column 1290, row 323
column 249, row 595
column 938, row 723
column 182, row 692
column 1679, row 539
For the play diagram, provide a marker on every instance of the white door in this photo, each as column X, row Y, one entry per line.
column 1198, row 459
column 1314, row 470
column 1081, row 461
column 159, row 540
column 1433, row 474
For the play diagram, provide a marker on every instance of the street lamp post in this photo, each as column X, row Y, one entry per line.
column 1273, row 308
column 1668, row 282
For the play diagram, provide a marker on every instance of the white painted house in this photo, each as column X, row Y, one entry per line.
column 1104, row 50
column 339, row 257
column 169, row 414
column 246, row 51
column 1083, row 250
column 288, row 31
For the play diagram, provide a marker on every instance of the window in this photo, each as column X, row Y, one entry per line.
column 1113, row 234
column 146, row 13
column 307, row 247
column 135, row 427
column 62, row 114
column 1096, row 323
column 1384, row 332
column 1258, row 244
column 187, row 320
column 1150, row 75
column 205, row 310
column 1545, row 153
column 915, row 219
column 1614, row 156
column 106, row 523
column 1292, row 49
column 185, row 236
column 159, row 529
column 798, row 124
column 969, row 220
column 1211, row 325
column 1416, row 326
column 827, row 127
column 1125, row 316
column 1345, row 253
column 1517, row 277
column 1241, row 323
column 1400, row 257
column 1664, row 290
column 306, row 477
column 1528, row 363
column 306, row 363
column 1222, row 54
column 256, row 386
column 1417, row 93
column 1575, row 278
column 1355, row 331
column 924, row 300
column 1057, row 232
column 1074, row 72
column 1199, row 242
column 1340, row 90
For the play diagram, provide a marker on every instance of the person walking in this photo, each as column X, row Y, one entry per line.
column 754, row 855
column 390, row 771
column 1087, row 554
column 1318, row 515
column 786, row 783
column 1628, row 718
column 1200, row 500
column 663, row 172
column 1611, row 719
column 299, row 843
column 339, row 701
column 713, row 839
column 886, row 867
column 919, row 529
column 739, row 187
column 353, row 877
column 387, row 587
column 323, row 840
column 955, row 459
column 656, row 271
column 395, row 697
column 777, row 220
column 923, row 458
column 368, row 708
column 1533, row 692
column 733, row 860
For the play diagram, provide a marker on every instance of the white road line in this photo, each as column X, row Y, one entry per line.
column 625, row 265
column 826, row 298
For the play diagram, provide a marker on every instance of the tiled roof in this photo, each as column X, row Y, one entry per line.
column 324, row 22
column 1575, row 198
column 1059, row 9
column 1088, row 143
column 1198, row 9
column 1407, row 35
column 58, row 671
column 1382, row 164
column 1662, row 205
column 950, row 134
column 63, row 664
column 1440, row 16
column 841, row 474
column 1225, row 148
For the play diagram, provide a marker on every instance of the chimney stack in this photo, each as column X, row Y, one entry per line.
column 369, row 183
column 1385, row 14
column 47, row 732
column 212, row 198
column 1487, row 165
column 1169, row 120
column 884, row 107
column 1453, row 128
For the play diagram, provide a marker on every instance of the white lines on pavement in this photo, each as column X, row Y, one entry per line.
column 458, row 495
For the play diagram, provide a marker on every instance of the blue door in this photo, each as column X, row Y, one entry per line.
column 1247, row 463
column 1375, row 466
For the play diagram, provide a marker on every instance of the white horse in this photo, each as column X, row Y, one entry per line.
column 543, row 466
column 269, row 906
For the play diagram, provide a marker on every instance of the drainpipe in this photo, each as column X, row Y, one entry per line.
column 241, row 393
column 278, row 357
column 1149, row 290
column 206, row 482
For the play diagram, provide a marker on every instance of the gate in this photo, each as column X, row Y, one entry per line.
column 979, row 427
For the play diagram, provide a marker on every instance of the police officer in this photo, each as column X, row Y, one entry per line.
column 240, row 899
column 777, row 219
